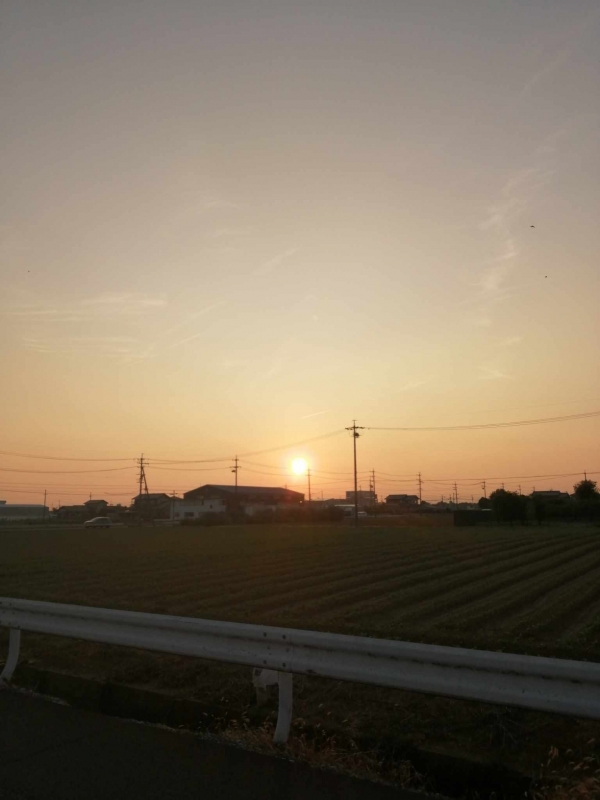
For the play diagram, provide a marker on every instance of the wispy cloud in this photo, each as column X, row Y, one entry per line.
column 126, row 300
column 276, row 261
column 221, row 233
column 88, row 345
column 217, row 204
column 413, row 385
column 565, row 43
column 316, row 414
column 101, row 306
column 549, row 67
column 493, row 374
column 510, row 341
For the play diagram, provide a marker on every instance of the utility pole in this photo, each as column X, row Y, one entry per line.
column 484, row 489
column 44, row 509
column 456, row 494
column 235, row 469
column 309, row 494
column 420, row 484
column 373, row 492
column 173, row 506
column 354, row 428
column 143, row 484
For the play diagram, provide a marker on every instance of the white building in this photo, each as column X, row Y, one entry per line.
column 15, row 512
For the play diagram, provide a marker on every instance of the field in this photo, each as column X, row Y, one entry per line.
column 524, row 589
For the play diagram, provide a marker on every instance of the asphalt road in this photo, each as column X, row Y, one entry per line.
column 50, row 751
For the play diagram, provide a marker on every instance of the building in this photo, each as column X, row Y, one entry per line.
column 365, row 498
column 214, row 499
column 402, row 499
column 81, row 513
column 154, row 505
column 549, row 494
column 22, row 512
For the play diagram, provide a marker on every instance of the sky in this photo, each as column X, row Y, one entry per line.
column 235, row 225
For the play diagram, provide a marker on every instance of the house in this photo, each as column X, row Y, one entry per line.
column 81, row 513
column 96, row 508
column 549, row 494
column 402, row 499
column 246, row 499
column 154, row 505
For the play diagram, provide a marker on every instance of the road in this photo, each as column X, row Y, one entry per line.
column 51, row 751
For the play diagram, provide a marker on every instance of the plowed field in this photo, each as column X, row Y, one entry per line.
column 524, row 589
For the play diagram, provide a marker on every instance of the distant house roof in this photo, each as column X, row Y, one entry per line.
column 95, row 502
column 153, row 496
column 401, row 498
column 264, row 491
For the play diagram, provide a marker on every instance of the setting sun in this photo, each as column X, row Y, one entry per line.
column 299, row 466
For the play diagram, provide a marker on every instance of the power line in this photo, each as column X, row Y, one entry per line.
column 253, row 453
column 519, row 423
column 63, row 471
column 59, row 458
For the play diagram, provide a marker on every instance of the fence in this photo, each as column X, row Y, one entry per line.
column 547, row 684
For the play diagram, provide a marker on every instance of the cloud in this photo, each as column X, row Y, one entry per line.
column 564, row 45
column 128, row 300
column 221, row 233
column 87, row 345
column 493, row 374
column 316, row 414
column 276, row 261
column 510, row 341
column 413, row 385
column 550, row 66
column 104, row 306
column 216, row 204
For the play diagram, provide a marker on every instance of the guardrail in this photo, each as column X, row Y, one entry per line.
column 546, row 684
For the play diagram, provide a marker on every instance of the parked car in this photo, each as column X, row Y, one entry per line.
column 98, row 522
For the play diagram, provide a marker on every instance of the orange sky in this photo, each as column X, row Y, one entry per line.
column 232, row 225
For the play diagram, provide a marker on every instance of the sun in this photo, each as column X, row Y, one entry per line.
column 299, row 466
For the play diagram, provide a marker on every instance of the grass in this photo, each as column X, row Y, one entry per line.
column 528, row 590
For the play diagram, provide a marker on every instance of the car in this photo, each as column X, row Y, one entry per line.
column 98, row 522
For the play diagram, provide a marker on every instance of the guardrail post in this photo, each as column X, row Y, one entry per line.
column 14, row 645
column 284, row 717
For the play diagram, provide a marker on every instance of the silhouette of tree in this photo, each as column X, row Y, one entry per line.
column 586, row 491
column 508, row 506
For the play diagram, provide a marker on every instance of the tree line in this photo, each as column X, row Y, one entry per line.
column 582, row 505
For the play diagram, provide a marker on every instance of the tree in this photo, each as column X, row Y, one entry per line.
column 586, row 491
column 484, row 502
column 508, row 506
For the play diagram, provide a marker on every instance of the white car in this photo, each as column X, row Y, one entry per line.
column 98, row 522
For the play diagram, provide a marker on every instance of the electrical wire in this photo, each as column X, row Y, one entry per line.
column 60, row 458
column 254, row 453
column 63, row 471
column 519, row 423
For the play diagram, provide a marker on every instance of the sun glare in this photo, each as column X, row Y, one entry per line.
column 299, row 466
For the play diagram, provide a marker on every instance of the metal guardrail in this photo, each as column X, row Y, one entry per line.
column 546, row 684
